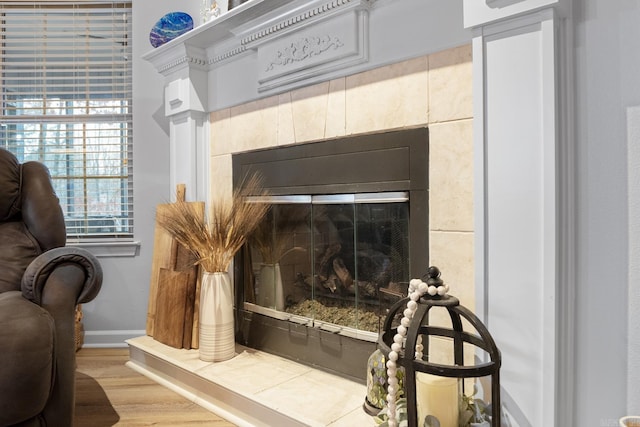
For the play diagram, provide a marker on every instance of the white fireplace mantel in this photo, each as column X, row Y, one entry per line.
column 265, row 47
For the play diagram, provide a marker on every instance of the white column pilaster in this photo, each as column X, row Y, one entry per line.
column 185, row 99
column 189, row 153
column 523, row 266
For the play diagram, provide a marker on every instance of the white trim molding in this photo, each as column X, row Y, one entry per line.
column 110, row 339
column 112, row 248
column 633, row 333
column 524, row 236
column 501, row 3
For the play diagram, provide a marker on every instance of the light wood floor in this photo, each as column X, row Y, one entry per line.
column 108, row 393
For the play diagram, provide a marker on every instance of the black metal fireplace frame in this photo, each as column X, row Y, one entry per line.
column 383, row 162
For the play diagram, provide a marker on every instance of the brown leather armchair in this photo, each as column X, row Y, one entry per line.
column 41, row 282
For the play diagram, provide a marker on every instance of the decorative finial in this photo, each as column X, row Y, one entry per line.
column 435, row 285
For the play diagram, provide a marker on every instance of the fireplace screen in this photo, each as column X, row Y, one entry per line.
column 336, row 262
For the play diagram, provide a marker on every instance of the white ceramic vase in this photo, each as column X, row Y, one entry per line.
column 270, row 293
column 216, row 326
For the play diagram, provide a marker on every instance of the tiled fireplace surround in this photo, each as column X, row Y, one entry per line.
column 433, row 90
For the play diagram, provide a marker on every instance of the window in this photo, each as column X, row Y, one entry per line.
column 66, row 88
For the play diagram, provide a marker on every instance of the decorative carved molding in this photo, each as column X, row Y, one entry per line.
column 297, row 19
column 302, row 49
column 229, row 54
column 501, row 3
column 307, row 51
column 191, row 60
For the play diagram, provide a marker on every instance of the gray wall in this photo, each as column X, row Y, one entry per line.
column 607, row 83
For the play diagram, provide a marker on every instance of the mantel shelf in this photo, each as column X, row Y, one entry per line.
column 266, row 47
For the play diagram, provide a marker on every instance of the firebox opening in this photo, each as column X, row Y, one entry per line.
column 334, row 260
column 346, row 231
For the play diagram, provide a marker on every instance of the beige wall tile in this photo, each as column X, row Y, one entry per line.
column 286, row 133
column 254, row 125
column 336, row 105
column 221, row 176
column 452, row 253
column 389, row 97
column 450, row 85
column 220, row 132
column 309, row 106
column 451, row 176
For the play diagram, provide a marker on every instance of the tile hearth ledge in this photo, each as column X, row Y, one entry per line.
column 254, row 388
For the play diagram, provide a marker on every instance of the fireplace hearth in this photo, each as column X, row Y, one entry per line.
column 346, row 231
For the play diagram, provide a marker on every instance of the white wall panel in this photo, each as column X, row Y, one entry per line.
column 633, row 350
column 518, row 211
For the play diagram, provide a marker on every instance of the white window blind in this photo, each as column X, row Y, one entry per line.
column 66, row 88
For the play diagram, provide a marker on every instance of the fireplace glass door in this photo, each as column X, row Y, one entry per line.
column 336, row 262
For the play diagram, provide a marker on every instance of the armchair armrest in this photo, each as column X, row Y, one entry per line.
column 38, row 272
column 58, row 280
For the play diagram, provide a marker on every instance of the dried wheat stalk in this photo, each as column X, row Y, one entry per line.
column 214, row 242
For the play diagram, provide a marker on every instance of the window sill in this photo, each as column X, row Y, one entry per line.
column 110, row 249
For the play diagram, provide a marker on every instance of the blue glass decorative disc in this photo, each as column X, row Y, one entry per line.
column 169, row 27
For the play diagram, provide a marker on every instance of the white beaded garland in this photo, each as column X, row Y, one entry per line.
column 417, row 288
column 419, row 347
column 423, row 288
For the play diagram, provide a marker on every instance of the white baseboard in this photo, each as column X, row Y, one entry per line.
column 110, row 339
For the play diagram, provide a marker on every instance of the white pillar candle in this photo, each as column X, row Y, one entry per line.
column 437, row 396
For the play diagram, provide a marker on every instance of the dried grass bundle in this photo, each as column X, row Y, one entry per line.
column 215, row 241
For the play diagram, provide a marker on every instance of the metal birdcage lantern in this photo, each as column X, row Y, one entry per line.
column 451, row 374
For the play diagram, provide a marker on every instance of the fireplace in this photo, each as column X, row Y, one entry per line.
column 346, row 231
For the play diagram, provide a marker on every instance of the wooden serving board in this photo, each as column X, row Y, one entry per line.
column 169, row 255
column 171, row 306
column 185, row 263
column 162, row 258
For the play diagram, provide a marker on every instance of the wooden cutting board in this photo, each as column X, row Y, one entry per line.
column 195, row 337
column 171, row 306
column 185, row 263
column 167, row 254
column 162, row 259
